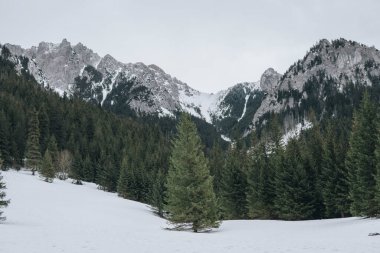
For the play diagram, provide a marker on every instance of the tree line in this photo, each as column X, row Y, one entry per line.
column 331, row 170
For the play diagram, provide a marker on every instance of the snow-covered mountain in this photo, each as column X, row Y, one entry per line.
column 146, row 89
column 330, row 67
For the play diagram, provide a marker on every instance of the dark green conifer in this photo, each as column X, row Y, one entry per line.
column 53, row 149
column 234, row 184
column 122, row 183
column 76, row 168
column 334, row 177
column 294, row 186
column 33, row 154
column 190, row 196
column 47, row 171
column 260, row 189
column 157, row 198
column 4, row 140
column 361, row 159
column 43, row 120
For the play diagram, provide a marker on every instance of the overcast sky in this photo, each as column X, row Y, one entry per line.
column 209, row 44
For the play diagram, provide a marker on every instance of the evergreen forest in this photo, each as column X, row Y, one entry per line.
column 331, row 170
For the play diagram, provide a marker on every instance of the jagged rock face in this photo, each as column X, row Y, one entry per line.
column 161, row 90
column 147, row 89
column 57, row 65
column 342, row 61
column 269, row 80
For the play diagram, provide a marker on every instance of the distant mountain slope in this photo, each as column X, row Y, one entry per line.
column 330, row 69
column 330, row 77
column 133, row 87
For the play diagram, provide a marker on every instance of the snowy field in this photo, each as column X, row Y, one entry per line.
column 62, row 217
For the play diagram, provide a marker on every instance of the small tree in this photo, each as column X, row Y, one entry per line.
column 122, row 183
column 158, row 193
column 3, row 201
column 33, row 154
column 64, row 164
column 76, row 168
column 53, row 150
column 190, row 196
column 47, row 170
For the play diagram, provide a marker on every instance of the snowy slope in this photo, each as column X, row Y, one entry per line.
column 62, row 217
column 295, row 132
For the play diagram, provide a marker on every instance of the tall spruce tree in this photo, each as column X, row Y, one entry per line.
column 334, row 177
column 53, row 150
column 157, row 196
column 33, row 154
column 361, row 159
column 260, row 185
column 190, row 196
column 234, row 184
column 122, row 183
column 4, row 140
column 76, row 168
column 3, row 201
column 377, row 177
column 216, row 166
column 47, row 168
column 294, row 186
column 43, row 119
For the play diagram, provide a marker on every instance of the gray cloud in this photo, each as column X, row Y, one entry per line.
column 209, row 44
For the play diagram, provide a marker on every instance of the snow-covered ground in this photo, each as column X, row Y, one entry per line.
column 62, row 217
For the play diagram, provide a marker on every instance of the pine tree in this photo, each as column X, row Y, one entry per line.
column 105, row 178
column 312, row 148
column 157, row 198
column 4, row 140
column 216, row 166
column 334, row 177
column 53, row 150
column 377, row 177
column 33, row 154
column 122, row 183
column 3, row 201
column 260, row 185
column 47, row 168
column 76, row 168
column 294, row 188
column 88, row 171
column 234, row 184
column 190, row 196
column 361, row 159
column 43, row 120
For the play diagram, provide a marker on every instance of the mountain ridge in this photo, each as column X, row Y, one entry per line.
column 61, row 66
column 147, row 89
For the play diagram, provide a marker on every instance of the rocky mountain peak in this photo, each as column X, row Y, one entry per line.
column 108, row 64
column 269, row 80
column 337, row 59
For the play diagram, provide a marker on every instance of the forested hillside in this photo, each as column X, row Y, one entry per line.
column 330, row 170
column 98, row 143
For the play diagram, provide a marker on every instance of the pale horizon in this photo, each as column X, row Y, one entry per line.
column 210, row 45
